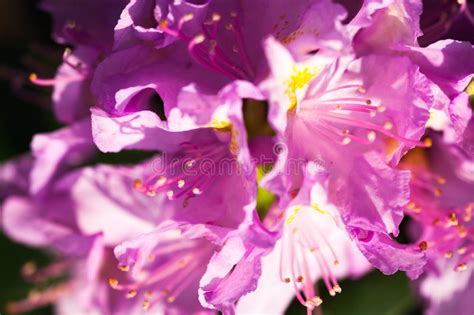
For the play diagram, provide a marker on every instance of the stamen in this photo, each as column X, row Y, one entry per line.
column 216, row 17
column 184, row 19
column 452, row 219
column 411, row 205
column 437, row 192
column 177, row 274
column 461, row 267
column 32, row 273
column 314, row 302
column 297, row 245
column 78, row 66
column 293, row 265
column 137, row 184
column 428, row 142
column 161, row 180
column 164, row 27
column 462, row 231
column 214, row 57
column 362, row 90
column 184, row 176
column 146, row 305
column 462, row 250
column 241, row 51
column 388, row 125
column 113, row 282
column 41, row 82
column 71, row 24
column 220, row 61
column 346, row 141
column 450, row 236
column 423, row 245
column 29, row 269
column 371, row 136
column 467, row 11
column 37, row 299
column 332, row 112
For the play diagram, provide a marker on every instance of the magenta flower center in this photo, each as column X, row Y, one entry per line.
column 186, row 175
column 169, row 270
column 230, row 60
column 450, row 230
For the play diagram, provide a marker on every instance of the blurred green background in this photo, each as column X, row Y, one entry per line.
column 26, row 46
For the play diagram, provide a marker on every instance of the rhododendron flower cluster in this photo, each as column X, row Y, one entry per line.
column 354, row 115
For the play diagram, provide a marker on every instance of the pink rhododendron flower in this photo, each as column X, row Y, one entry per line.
column 337, row 120
column 442, row 207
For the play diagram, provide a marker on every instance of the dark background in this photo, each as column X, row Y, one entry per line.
column 25, row 46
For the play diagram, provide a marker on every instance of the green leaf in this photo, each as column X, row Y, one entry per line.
column 265, row 198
